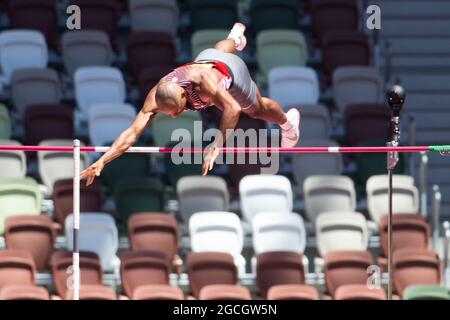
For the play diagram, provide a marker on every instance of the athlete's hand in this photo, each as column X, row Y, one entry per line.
column 208, row 162
column 92, row 171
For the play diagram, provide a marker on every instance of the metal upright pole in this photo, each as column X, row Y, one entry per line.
column 76, row 219
column 396, row 98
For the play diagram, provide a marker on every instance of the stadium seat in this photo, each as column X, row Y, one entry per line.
column 210, row 268
column 366, row 122
column 338, row 231
column 93, row 292
column 405, row 196
column 129, row 165
column 344, row 48
column 224, row 292
column 200, row 193
column 155, row 232
column 34, row 86
column 305, row 165
column 212, row 14
column 48, row 122
column 108, row 120
column 359, row 292
column 426, row 292
column 356, row 84
column 328, row 193
column 275, row 48
column 85, row 48
column 100, row 15
column 150, row 49
column 21, row 49
column 13, row 163
column 157, row 292
column 98, row 233
column 18, row 196
column 293, row 86
column 408, row 231
column 262, row 193
column 163, row 127
column 413, row 266
column 5, row 123
column 162, row 13
column 40, row 15
column 98, row 85
column 56, row 165
column 333, row 15
column 24, row 292
column 34, row 234
column 277, row 268
column 90, row 270
column 271, row 14
column 216, row 231
column 16, row 268
column 139, row 268
column 292, row 292
column 344, row 268
column 149, row 77
column 278, row 231
column 139, row 194
column 205, row 39
column 315, row 122
column 90, row 199
column 188, row 167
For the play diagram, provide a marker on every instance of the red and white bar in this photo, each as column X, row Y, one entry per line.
column 225, row 150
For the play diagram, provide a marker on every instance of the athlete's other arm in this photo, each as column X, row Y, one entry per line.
column 230, row 116
column 125, row 140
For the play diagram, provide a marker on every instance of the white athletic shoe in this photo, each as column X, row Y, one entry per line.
column 290, row 132
column 237, row 34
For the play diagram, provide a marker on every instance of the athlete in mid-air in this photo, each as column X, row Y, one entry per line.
column 216, row 77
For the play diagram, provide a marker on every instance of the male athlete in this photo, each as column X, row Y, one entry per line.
column 216, row 77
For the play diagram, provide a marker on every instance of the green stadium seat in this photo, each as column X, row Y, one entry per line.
column 213, row 14
column 277, row 47
column 426, row 292
column 18, row 196
column 5, row 123
column 133, row 195
column 204, row 39
column 274, row 14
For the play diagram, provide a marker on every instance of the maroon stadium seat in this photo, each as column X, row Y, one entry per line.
column 90, row 199
column 139, row 268
column 344, row 48
column 292, row 292
column 413, row 266
column 90, row 270
column 224, row 292
column 366, row 122
column 149, row 50
column 149, row 77
column 333, row 15
column 48, row 121
column 34, row 234
column 157, row 292
column 100, row 15
column 24, row 292
column 277, row 268
column 93, row 292
column 210, row 268
column 359, row 292
column 38, row 15
column 16, row 268
column 345, row 267
column 155, row 232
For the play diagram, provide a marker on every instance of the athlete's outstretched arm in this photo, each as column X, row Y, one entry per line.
column 125, row 140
